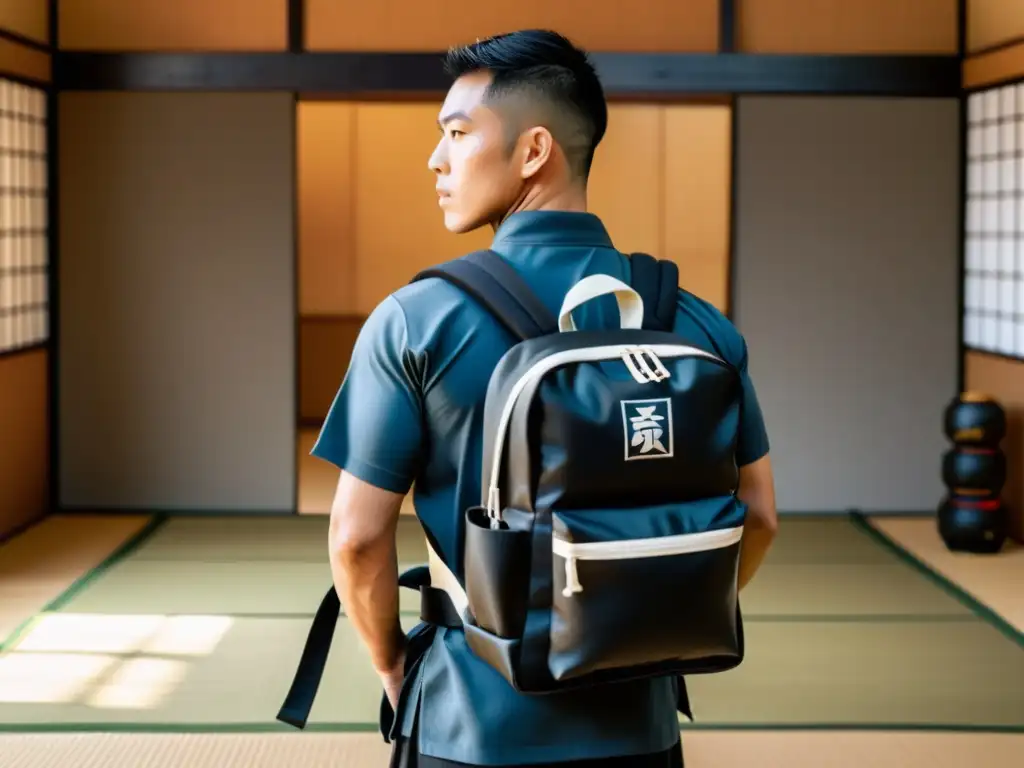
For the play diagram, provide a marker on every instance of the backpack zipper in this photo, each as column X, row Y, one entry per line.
column 631, row 549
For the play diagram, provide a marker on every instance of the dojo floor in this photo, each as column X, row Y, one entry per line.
column 137, row 641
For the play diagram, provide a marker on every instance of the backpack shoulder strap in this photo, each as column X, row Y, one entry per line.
column 657, row 282
column 497, row 286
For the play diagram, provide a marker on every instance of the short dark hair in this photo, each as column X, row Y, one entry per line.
column 547, row 67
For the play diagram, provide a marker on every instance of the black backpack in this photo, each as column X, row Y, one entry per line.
column 606, row 543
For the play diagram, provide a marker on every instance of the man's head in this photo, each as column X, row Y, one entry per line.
column 518, row 128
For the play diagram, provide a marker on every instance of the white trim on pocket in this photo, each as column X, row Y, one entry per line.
column 634, row 549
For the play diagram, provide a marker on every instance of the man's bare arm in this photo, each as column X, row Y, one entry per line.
column 757, row 490
column 364, row 566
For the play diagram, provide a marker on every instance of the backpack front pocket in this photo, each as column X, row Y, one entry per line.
column 635, row 588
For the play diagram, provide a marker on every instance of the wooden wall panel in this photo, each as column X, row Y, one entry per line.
column 848, row 26
column 599, row 25
column 369, row 219
column 326, row 184
column 24, row 446
column 625, row 187
column 399, row 227
column 1003, row 379
column 30, row 18
column 998, row 66
column 698, row 167
column 993, row 22
column 325, row 349
column 182, row 25
column 24, row 61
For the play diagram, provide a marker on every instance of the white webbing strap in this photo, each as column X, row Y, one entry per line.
column 442, row 578
column 631, row 304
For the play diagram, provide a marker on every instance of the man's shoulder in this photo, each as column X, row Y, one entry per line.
column 421, row 313
column 428, row 302
column 699, row 316
column 426, row 296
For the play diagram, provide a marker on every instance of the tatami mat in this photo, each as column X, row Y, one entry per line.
column 243, row 587
column 787, row 749
column 224, row 670
column 845, row 590
column 228, row 670
column 812, row 540
column 38, row 565
column 868, row 673
column 293, row 538
column 241, row 566
column 203, row 623
column 995, row 580
column 820, row 567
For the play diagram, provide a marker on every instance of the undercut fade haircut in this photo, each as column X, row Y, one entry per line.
column 544, row 73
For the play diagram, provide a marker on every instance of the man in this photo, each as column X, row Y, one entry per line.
column 519, row 128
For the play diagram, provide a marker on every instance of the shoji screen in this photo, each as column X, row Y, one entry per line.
column 23, row 243
column 994, row 259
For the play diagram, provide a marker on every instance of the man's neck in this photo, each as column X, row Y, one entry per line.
column 570, row 199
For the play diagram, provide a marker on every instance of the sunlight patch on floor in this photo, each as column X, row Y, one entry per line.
column 139, row 684
column 50, row 678
column 106, row 661
column 96, row 633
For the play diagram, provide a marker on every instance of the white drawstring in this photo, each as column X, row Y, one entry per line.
column 572, row 578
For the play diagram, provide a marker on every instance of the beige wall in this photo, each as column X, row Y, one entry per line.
column 24, row 439
column 177, row 353
column 368, row 219
column 1003, row 379
column 847, row 280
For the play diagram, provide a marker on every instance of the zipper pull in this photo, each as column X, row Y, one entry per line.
column 635, row 372
column 572, row 578
column 636, row 361
column 493, row 511
column 660, row 371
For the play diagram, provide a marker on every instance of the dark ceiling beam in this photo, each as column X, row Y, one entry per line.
column 726, row 26
column 623, row 74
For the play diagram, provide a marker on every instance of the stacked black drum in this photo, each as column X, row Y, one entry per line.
column 972, row 517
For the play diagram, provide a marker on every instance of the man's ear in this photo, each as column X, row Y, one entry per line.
column 536, row 147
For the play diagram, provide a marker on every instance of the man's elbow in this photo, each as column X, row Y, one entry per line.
column 765, row 521
column 352, row 547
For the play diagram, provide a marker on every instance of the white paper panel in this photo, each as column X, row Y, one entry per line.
column 23, row 237
column 994, row 257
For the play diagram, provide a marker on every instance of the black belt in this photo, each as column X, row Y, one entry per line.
column 436, row 610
